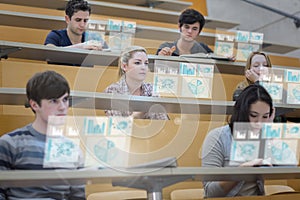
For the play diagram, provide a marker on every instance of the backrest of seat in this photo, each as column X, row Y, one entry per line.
column 119, row 195
column 187, row 194
column 275, row 189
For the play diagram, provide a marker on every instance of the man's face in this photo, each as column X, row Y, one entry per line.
column 78, row 22
column 189, row 32
column 49, row 107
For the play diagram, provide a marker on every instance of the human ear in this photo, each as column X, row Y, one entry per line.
column 272, row 116
column 124, row 67
column 33, row 104
column 179, row 27
column 67, row 19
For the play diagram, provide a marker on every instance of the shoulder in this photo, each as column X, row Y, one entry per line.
column 114, row 87
column 58, row 33
column 58, row 38
column 167, row 44
column 205, row 46
column 16, row 135
column 239, row 88
column 20, row 131
column 217, row 139
column 242, row 85
column 219, row 133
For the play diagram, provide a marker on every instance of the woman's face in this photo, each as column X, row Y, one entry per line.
column 137, row 66
column 259, row 64
column 259, row 113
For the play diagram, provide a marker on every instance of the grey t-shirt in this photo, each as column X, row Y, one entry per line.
column 216, row 153
column 198, row 47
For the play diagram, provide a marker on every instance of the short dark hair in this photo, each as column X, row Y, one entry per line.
column 248, row 96
column 191, row 16
column 74, row 6
column 46, row 85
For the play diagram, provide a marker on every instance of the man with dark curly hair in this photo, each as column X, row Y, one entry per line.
column 74, row 36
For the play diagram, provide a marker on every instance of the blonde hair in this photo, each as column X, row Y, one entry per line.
column 126, row 55
column 249, row 62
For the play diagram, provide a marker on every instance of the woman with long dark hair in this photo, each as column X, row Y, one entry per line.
column 255, row 106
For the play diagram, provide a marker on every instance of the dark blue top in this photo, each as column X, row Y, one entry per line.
column 60, row 38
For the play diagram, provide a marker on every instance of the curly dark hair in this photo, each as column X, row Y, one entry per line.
column 74, row 6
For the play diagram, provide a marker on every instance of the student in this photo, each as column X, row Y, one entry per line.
column 190, row 24
column 74, row 36
column 133, row 68
column 23, row 149
column 254, row 105
column 257, row 63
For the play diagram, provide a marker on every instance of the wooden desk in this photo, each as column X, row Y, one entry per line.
column 74, row 56
column 102, row 58
column 48, row 22
column 103, row 101
column 159, row 4
column 151, row 178
column 83, row 57
column 125, row 10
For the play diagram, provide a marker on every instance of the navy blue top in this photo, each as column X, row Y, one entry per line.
column 60, row 38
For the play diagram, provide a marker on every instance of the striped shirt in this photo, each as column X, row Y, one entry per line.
column 23, row 149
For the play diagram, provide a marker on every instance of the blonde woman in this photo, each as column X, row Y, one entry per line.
column 133, row 69
column 257, row 63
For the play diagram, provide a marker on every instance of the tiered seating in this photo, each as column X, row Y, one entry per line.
column 26, row 24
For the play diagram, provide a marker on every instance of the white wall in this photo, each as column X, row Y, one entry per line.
column 276, row 28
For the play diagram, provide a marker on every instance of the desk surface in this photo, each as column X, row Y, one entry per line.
column 38, row 177
column 157, row 4
column 125, row 10
column 90, row 58
column 38, row 21
column 75, row 56
column 92, row 100
column 160, row 4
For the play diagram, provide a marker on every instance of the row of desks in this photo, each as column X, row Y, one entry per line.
column 151, row 179
column 103, row 101
column 90, row 58
column 87, row 58
column 153, row 4
column 37, row 177
column 38, row 21
column 30, row 20
column 116, row 9
column 16, row 96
